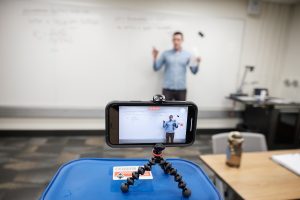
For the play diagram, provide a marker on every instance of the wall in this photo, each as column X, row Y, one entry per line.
column 292, row 61
column 265, row 45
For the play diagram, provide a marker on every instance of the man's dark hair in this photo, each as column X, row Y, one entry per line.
column 178, row 33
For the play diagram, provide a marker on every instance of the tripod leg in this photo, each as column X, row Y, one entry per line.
column 166, row 166
column 136, row 175
column 168, row 169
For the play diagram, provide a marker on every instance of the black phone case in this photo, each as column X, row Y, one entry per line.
column 148, row 103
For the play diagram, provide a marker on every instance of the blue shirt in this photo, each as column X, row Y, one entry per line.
column 170, row 126
column 176, row 63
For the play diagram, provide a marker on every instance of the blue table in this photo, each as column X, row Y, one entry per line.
column 91, row 179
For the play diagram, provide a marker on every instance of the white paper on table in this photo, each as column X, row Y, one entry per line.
column 289, row 161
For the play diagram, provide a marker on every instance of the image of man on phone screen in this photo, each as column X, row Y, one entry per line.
column 170, row 127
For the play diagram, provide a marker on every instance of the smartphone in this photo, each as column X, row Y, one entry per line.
column 137, row 124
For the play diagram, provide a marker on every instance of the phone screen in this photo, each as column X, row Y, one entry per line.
column 152, row 124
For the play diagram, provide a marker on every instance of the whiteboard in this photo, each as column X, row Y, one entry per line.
column 68, row 55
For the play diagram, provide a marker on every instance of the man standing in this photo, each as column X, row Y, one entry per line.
column 176, row 62
column 170, row 127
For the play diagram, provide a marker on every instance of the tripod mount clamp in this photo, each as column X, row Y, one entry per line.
column 159, row 98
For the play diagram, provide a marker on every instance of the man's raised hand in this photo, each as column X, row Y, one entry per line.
column 198, row 60
column 154, row 53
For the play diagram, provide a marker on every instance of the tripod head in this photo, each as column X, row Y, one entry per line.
column 159, row 98
column 158, row 148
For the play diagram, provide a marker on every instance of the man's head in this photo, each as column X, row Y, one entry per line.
column 177, row 40
column 171, row 117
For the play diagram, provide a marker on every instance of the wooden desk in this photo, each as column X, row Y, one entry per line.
column 258, row 177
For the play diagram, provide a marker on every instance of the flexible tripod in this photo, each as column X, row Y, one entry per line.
column 166, row 166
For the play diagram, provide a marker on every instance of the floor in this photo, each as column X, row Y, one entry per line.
column 27, row 164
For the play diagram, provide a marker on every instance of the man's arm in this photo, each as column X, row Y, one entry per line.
column 157, row 63
column 175, row 124
column 195, row 69
column 164, row 124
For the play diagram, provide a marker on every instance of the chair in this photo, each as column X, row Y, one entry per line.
column 252, row 142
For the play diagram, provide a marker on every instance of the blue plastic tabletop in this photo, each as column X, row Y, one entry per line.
column 91, row 179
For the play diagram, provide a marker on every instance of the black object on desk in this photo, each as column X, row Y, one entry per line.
column 258, row 91
column 276, row 118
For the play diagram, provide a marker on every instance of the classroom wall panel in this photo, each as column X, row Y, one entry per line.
column 291, row 73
